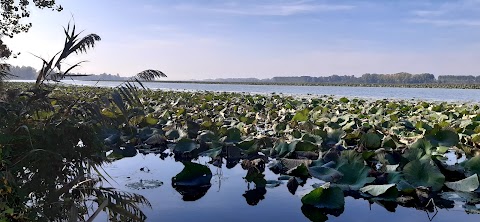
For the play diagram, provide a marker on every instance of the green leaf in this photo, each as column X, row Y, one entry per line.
column 185, row 145
column 468, row 184
column 371, row 141
column 172, row 134
column 422, row 144
column 193, row 174
column 325, row 198
column 299, row 171
column 422, row 173
column 233, row 135
column 444, row 137
column 301, row 116
column 472, row 166
column 305, row 146
column 283, row 149
column 355, row 176
column 377, row 190
column 212, row 153
column 325, row 173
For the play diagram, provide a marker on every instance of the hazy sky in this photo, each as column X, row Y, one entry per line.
column 196, row 39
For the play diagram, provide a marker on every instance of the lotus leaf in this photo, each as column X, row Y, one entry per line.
column 468, row 184
column 193, row 174
column 422, row 173
column 355, row 176
column 185, row 145
column 377, row 190
column 328, row 198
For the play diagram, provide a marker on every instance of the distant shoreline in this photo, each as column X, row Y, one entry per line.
column 400, row 85
column 392, row 85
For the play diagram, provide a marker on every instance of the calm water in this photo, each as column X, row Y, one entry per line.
column 450, row 95
column 224, row 201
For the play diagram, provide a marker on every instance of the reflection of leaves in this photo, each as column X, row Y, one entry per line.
column 192, row 193
column 257, row 177
column 253, row 197
column 314, row 214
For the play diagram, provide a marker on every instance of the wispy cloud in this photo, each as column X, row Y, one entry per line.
column 450, row 13
column 288, row 8
column 446, row 22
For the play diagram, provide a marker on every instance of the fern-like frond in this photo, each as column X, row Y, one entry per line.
column 85, row 43
column 149, row 75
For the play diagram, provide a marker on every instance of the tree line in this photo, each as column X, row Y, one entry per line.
column 30, row 73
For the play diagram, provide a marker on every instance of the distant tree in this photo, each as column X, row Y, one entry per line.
column 11, row 14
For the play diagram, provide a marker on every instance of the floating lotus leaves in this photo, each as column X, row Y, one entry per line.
column 444, row 137
column 301, row 116
column 422, row 144
column 468, row 184
column 233, row 135
column 184, row 145
column 355, row 176
column 325, row 173
column 422, row 173
column 472, row 166
column 212, row 153
column 172, row 134
column 325, row 198
column 193, row 174
column 283, row 149
column 304, row 146
column 371, row 141
column 377, row 190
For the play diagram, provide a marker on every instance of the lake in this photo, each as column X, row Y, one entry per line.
column 431, row 94
column 225, row 200
column 231, row 198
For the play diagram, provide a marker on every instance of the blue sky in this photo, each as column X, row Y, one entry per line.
column 194, row 39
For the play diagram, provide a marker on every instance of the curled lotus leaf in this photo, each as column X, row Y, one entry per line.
column 468, row 184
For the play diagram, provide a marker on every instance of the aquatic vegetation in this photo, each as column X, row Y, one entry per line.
column 408, row 153
column 405, row 152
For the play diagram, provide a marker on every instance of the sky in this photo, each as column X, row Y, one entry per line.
column 203, row 39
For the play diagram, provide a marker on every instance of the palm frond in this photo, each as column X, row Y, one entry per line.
column 149, row 75
column 86, row 43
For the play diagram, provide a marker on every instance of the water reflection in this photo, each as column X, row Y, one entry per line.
column 243, row 192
